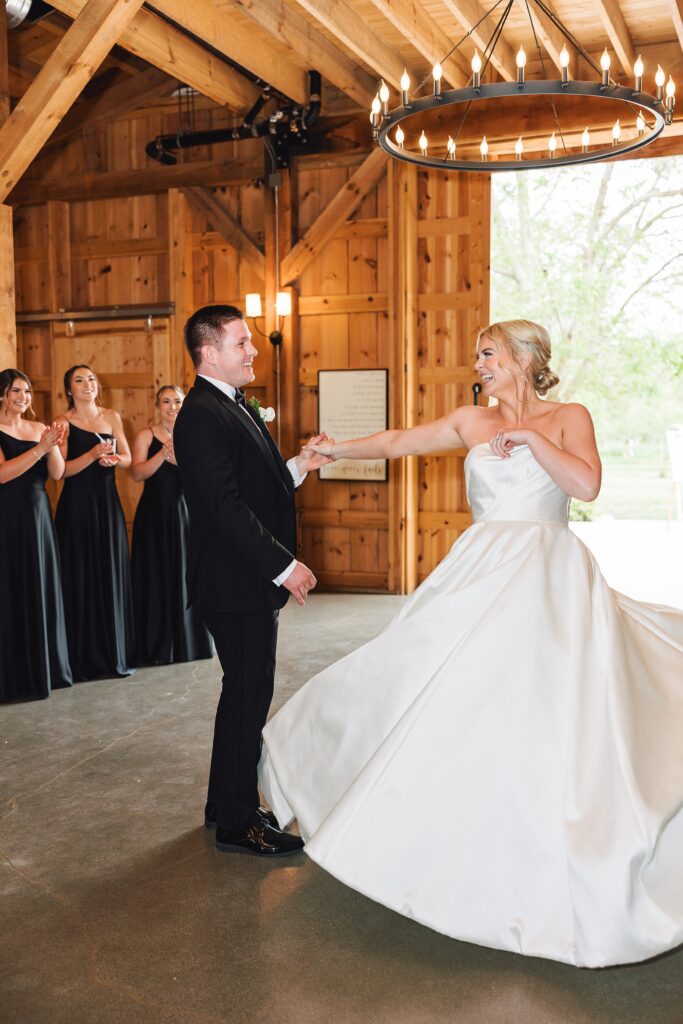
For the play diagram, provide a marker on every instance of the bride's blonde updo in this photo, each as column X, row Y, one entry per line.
column 521, row 337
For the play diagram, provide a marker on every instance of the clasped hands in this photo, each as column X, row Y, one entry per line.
column 315, row 453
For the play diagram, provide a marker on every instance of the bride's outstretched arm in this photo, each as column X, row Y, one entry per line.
column 392, row 444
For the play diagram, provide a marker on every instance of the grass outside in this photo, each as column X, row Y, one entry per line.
column 634, row 486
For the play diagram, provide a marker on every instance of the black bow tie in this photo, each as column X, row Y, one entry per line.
column 240, row 398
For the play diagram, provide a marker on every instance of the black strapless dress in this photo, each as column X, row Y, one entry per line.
column 33, row 650
column 165, row 630
column 93, row 547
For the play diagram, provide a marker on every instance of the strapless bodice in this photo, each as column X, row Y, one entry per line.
column 514, row 489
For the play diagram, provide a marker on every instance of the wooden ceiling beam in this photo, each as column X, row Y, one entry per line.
column 426, row 35
column 145, row 182
column 61, row 79
column 467, row 13
column 238, row 42
column 120, row 98
column 158, row 43
column 618, row 32
column 343, row 22
column 222, row 221
column 336, row 213
column 676, row 9
column 312, row 47
column 551, row 38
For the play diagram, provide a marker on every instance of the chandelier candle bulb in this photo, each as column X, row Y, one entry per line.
column 552, row 145
column 519, row 148
column 605, row 63
column 405, row 85
column 423, row 144
column 585, row 140
column 450, row 146
column 670, row 94
column 400, row 137
column 437, row 72
column 384, row 98
column 640, row 124
column 616, row 132
column 521, row 64
column 476, row 70
column 564, row 64
column 484, row 149
column 660, row 78
column 375, row 111
column 638, row 69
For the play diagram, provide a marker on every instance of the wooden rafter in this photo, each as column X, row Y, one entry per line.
column 312, row 46
column 73, row 63
column 618, row 32
column 551, row 37
column 467, row 13
column 676, row 8
column 333, row 216
column 246, row 47
column 216, row 214
column 426, row 35
column 343, row 22
column 133, row 92
column 164, row 47
column 149, row 181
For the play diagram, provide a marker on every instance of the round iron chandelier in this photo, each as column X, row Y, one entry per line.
column 430, row 130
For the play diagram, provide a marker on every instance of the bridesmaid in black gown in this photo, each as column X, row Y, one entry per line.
column 166, row 631
column 92, row 535
column 33, row 649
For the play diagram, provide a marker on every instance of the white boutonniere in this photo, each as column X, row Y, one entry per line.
column 266, row 412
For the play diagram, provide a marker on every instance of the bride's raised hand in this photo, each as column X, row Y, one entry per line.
column 504, row 441
column 315, row 453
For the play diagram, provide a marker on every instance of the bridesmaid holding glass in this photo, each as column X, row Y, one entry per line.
column 166, row 631
column 33, row 646
column 92, row 534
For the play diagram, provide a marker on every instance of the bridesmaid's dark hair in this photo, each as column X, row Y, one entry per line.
column 7, row 379
column 204, row 328
column 168, row 387
column 68, row 377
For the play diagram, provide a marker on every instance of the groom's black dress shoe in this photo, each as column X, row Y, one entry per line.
column 211, row 816
column 261, row 839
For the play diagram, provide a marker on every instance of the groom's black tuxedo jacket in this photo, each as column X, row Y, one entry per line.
column 240, row 498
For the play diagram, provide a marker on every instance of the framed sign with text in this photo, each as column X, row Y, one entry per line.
column 353, row 403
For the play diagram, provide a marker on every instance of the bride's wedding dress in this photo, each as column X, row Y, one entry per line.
column 504, row 762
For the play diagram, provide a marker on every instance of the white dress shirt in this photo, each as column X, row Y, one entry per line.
column 297, row 477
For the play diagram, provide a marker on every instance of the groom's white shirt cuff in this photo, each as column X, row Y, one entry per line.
column 297, row 477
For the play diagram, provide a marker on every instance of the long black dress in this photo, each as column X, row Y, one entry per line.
column 165, row 630
column 33, row 650
column 93, row 546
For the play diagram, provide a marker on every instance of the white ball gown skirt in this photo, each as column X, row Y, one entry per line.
column 504, row 762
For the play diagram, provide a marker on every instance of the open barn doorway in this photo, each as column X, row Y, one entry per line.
column 596, row 254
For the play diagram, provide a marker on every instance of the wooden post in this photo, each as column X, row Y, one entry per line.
column 8, row 326
column 59, row 290
column 403, row 513
column 280, row 205
column 180, row 279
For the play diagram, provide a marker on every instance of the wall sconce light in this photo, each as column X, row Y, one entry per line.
column 283, row 308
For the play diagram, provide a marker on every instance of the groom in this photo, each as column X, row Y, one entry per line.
column 242, row 563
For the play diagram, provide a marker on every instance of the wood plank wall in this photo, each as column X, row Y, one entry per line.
column 403, row 285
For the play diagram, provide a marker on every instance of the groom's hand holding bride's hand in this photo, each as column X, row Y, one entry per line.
column 315, row 453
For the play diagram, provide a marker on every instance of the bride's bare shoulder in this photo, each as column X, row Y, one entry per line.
column 572, row 413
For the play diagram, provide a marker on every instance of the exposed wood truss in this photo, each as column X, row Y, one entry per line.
column 60, row 81
column 210, row 206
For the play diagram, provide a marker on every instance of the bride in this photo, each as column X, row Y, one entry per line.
column 504, row 762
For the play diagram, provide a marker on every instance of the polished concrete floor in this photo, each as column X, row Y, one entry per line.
column 116, row 908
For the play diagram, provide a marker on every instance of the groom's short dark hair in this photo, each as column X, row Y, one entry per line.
column 205, row 327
